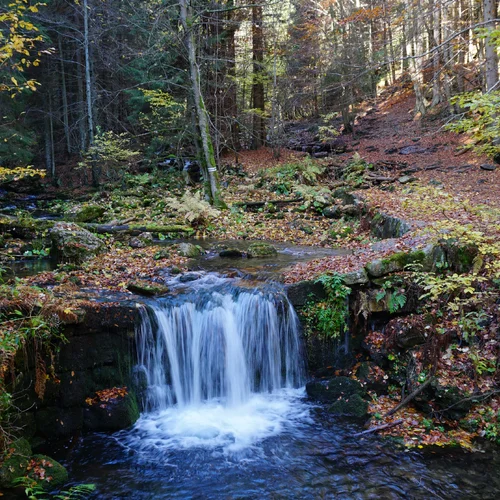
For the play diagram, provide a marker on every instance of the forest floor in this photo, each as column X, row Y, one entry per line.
column 413, row 170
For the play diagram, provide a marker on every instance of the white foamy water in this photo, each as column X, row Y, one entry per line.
column 222, row 369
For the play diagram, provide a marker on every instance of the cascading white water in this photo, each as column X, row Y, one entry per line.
column 223, row 367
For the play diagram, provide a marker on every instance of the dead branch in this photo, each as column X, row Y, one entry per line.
column 379, row 428
column 409, row 398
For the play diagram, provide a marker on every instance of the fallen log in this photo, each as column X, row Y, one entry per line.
column 379, row 428
column 409, row 398
column 257, row 204
column 136, row 229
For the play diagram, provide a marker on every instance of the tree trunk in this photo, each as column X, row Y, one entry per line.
column 209, row 167
column 490, row 11
column 64, row 96
column 258, row 104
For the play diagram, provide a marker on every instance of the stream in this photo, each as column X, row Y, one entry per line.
column 225, row 416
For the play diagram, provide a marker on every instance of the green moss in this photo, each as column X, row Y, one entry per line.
column 354, row 406
column 261, row 250
column 403, row 258
column 147, row 288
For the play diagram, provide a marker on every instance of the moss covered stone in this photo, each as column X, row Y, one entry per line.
column 113, row 415
column 189, row 250
column 72, row 243
column 332, row 389
column 147, row 288
column 395, row 263
column 86, row 213
column 19, row 462
column 261, row 250
column 353, row 406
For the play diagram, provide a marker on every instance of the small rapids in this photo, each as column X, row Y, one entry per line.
column 222, row 368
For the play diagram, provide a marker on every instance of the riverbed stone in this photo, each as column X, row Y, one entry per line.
column 147, row 288
column 231, row 253
column 72, row 243
column 261, row 249
column 330, row 390
column 189, row 250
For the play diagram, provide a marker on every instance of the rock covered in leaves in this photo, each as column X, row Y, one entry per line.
column 353, row 406
column 72, row 243
column 19, row 462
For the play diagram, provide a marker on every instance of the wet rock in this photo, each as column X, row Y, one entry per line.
column 332, row 389
column 488, row 167
column 72, row 243
column 385, row 226
column 188, row 277
column 261, row 250
column 351, row 210
column 113, row 415
column 299, row 294
column 147, row 288
column 189, row 250
column 344, row 195
column 353, row 406
column 231, row 253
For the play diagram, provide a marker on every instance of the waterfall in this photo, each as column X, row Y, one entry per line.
column 225, row 344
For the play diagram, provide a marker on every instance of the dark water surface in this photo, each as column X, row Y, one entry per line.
column 313, row 457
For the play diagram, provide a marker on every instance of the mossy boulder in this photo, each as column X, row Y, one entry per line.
column 395, row 263
column 189, row 250
column 261, row 250
column 453, row 402
column 385, row 226
column 460, row 257
column 85, row 213
column 19, row 462
column 113, row 415
column 147, row 288
column 358, row 277
column 353, row 406
column 332, row 389
column 72, row 243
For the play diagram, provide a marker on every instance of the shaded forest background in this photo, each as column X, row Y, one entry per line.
column 87, row 83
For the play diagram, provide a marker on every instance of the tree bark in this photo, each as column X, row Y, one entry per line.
column 258, row 104
column 209, row 166
column 490, row 11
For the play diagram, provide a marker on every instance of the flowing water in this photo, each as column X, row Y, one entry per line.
column 225, row 417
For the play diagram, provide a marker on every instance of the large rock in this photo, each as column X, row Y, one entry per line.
column 385, row 226
column 147, row 288
column 395, row 263
column 85, row 213
column 372, row 377
column 299, row 294
column 20, row 462
column 72, row 243
column 332, row 389
column 189, row 250
column 407, row 332
column 261, row 250
column 353, row 406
